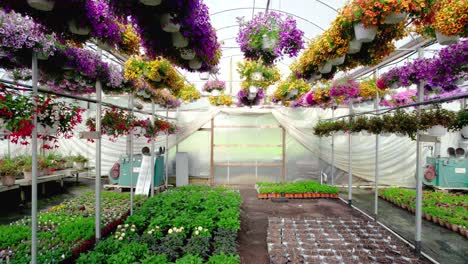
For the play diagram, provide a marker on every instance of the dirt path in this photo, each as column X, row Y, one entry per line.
column 254, row 220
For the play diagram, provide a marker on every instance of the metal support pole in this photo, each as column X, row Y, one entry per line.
column 376, row 180
column 97, row 216
column 166, row 163
column 350, row 160
column 283, row 172
column 130, row 135
column 417, row 244
column 333, row 153
column 34, row 68
column 152, row 153
column 212, row 153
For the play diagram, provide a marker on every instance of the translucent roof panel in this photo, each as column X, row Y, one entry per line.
column 312, row 16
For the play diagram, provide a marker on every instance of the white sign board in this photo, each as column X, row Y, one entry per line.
column 144, row 177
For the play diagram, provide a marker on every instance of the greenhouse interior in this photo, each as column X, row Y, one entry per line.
column 224, row 132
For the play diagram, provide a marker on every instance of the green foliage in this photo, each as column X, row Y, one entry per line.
column 327, row 128
column 224, row 259
column 451, row 208
column 225, row 242
column 129, row 253
column 462, row 118
column 156, row 259
column 189, row 259
column 437, row 116
column 14, row 234
column 198, row 245
column 296, row 187
column 171, row 246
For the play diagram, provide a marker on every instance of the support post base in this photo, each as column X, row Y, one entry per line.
column 417, row 248
column 350, row 203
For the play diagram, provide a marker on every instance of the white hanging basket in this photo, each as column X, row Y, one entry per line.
column 104, row 45
column 257, row 76
column 187, row 54
column 204, row 76
column 338, row 61
column 42, row 5
column 42, row 56
column 215, row 92
column 252, row 96
column 253, row 89
column 195, row 64
column 464, row 131
column 151, row 2
column 338, row 133
column 75, row 29
column 400, row 135
column 354, row 46
column 268, row 42
column 437, row 130
column 178, row 40
column 446, row 40
column 314, row 76
column 167, row 24
column 385, row 134
column 325, row 68
column 364, row 34
column 365, row 133
column 394, row 86
column 395, row 18
column 292, row 93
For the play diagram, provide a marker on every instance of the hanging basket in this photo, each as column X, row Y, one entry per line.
column 338, row 61
column 42, row 5
column 77, row 30
column 257, row 76
column 268, row 43
column 42, row 56
column 398, row 134
column 215, row 92
column 364, row 34
column 314, row 76
column 338, row 133
column 178, row 40
column 195, row 64
column 437, row 131
column 385, row 134
column 325, row 68
column 292, row 93
column 446, row 40
column 464, row 131
column 79, row 165
column 187, row 54
column 395, row 18
column 204, row 76
column 354, row 46
column 167, row 24
column 253, row 89
column 151, row 2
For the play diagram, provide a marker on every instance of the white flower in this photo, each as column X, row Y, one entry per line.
column 119, row 226
column 116, row 236
column 206, row 230
column 182, row 228
column 133, row 226
column 196, row 232
column 63, row 256
column 126, row 225
column 120, row 238
column 157, row 227
column 150, row 232
column 200, row 228
column 123, row 234
column 133, row 229
column 170, row 231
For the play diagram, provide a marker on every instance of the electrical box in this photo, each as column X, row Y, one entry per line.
column 123, row 178
column 182, row 169
column 449, row 172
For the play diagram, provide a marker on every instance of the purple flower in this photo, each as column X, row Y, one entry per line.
column 214, row 85
column 244, row 97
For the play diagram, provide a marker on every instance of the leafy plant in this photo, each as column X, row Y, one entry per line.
column 198, row 245
column 462, row 118
column 224, row 259
column 171, row 246
column 9, row 166
column 80, row 159
column 437, row 116
column 189, row 259
column 225, row 241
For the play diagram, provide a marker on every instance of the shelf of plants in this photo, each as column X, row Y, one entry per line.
column 296, row 190
column 183, row 225
column 65, row 230
column 446, row 209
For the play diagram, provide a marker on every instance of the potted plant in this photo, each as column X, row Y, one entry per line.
column 290, row 89
column 222, row 99
column 26, row 165
column 269, row 36
column 9, row 169
column 214, row 87
column 79, row 162
column 437, row 121
column 462, row 122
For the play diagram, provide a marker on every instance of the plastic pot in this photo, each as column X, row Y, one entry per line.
column 215, row 92
column 395, row 18
column 268, row 42
column 167, row 24
column 42, row 56
column 78, row 30
column 42, row 5
column 27, row 175
column 195, row 64
column 464, row 131
column 292, row 93
column 79, row 165
column 338, row 61
column 437, row 130
column 178, row 40
column 187, row 54
column 325, row 68
column 151, row 2
column 354, row 46
column 204, row 76
column 364, row 34
column 446, row 40
column 8, row 180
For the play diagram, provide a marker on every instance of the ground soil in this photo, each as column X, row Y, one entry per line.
column 254, row 220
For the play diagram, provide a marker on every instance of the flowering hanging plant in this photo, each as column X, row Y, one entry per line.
column 368, row 90
column 249, row 99
column 114, row 123
column 445, row 16
column 268, row 74
column 269, row 36
column 342, row 91
column 19, row 33
column 210, row 86
column 130, row 41
column 290, row 90
column 151, row 130
column 95, row 16
column 400, row 99
column 189, row 93
column 222, row 99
